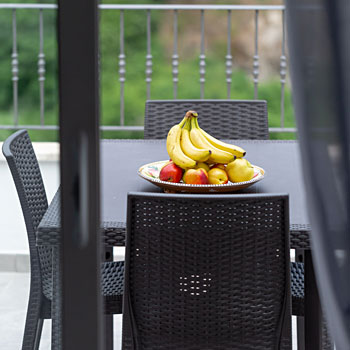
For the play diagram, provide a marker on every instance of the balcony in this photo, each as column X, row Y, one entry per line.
column 150, row 52
column 174, row 60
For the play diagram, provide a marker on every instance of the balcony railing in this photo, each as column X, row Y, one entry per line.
column 41, row 9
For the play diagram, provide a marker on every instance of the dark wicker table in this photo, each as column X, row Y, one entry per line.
column 120, row 160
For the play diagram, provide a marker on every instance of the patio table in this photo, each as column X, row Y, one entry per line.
column 120, row 160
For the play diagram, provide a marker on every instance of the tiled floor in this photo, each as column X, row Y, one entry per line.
column 14, row 287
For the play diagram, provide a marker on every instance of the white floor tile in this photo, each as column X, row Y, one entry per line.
column 14, row 290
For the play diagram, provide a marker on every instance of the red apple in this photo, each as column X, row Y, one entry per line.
column 196, row 176
column 217, row 176
column 171, row 173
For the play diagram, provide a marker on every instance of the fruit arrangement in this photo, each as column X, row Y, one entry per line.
column 196, row 157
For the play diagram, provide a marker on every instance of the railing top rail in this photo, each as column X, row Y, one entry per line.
column 29, row 6
column 152, row 7
column 190, row 7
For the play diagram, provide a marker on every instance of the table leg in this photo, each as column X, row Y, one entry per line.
column 313, row 312
column 299, row 257
column 56, row 304
column 301, row 332
column 109, row 328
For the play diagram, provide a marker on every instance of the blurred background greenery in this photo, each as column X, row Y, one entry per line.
column 135, row 51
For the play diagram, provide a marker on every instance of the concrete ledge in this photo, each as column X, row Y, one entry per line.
column 19, row 261
column 45, row 151
column 14, row 261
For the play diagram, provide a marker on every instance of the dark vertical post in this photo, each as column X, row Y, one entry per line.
column 313, row 312
column 79, row 137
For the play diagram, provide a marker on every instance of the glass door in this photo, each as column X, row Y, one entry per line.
column 319, row 51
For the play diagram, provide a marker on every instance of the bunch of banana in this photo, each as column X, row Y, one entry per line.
column 188, row 144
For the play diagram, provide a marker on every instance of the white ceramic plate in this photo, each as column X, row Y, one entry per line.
column 150, row 172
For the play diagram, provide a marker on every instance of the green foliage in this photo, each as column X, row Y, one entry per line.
column 135, row 86
column 28, row 85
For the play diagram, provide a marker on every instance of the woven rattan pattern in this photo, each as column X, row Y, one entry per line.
column 113, row 286
column 221, row 268
column 50, row 234
column 222, row 118
column 35, row 197
column 112, row 278
column 113, row 232
column 297, row 275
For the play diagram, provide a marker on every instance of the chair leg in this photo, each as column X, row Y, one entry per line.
column 32, row 320
column 38, row 334
column 301, row 333
column 109, row 318
column 299, row 257
column 56, row 305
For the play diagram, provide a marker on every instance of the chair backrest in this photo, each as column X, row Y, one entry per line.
column 224, row 119
column 20, row 156
column 207, row 272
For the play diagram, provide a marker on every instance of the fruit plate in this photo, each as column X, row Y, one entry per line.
column 150, row 172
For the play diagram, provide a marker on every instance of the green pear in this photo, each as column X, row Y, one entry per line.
column 240, row 170
column 202, row 165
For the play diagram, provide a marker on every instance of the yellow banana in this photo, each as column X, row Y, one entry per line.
column 180, row 158
column 198, row 154
column 174, row 148
column 235, row 150
column 198, row 139
column 172, row 135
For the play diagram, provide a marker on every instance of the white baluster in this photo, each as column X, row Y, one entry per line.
column 228, row 56
column 41, row 66
column 202, row 58
column 14, row 65
column 256, row 56
column 175, row 57
column 283, row 67
column 121, row 67
column 148, row 56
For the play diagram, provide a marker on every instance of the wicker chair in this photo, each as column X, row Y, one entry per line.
column 225, row 119
column 26, row 174
column 207, row 272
